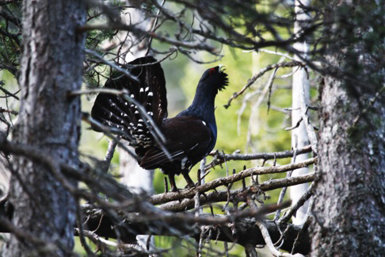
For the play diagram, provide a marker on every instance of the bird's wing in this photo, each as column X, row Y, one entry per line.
column 149, row 91
column 188, row 141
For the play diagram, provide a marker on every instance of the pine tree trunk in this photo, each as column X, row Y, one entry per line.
column 49, row 120
column 349, row 210
column 349, row 200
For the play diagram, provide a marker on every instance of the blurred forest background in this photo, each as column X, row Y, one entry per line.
column 255, row 41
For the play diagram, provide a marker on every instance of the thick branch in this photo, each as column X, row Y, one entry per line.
column 189, row 193
column 239, row 195
column 244, row 232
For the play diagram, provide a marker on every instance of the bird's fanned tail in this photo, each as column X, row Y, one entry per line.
column 125, row 111
column 139, row 111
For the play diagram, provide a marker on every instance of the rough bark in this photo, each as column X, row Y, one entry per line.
column 349, row 212
column 349, row 202
column 51, row 66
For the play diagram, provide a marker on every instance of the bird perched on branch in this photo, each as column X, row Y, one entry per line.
column 139, row 113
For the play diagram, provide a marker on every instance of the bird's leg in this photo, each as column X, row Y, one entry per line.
column 189, row 181
column 172, row 183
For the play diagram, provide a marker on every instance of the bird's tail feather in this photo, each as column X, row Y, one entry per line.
column 137, row 104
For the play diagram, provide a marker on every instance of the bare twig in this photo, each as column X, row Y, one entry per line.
column 296, row 125
column 260, row 74
column 108, row 132
column 102, row 243
column 113, row 65
column 297, row 205
column 110, row 153
column 309, row 128
column 269, row 243
column 220, row 157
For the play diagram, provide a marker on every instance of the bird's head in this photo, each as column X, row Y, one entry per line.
column 214, row 78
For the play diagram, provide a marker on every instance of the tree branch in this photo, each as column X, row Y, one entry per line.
column 243, row 232
column 260, row 74
column 189, row 193
column 220, row 158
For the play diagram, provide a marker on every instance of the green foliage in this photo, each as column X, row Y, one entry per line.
column 355, row 38
column 10, row 36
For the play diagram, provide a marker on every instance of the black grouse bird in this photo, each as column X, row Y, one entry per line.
column 189, row 136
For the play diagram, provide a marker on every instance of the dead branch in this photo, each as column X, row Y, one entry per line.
column 220, row 158
column 238, row 195
column 247, row 233
column 253, row 79
column 189, row 193
column 285, row 218
column 267, row 238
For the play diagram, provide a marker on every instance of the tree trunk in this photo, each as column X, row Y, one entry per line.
column 49, row 120
column 349, row 202
column 300, row 101
column 349, row 212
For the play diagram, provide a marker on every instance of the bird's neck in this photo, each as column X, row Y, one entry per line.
column 203, row 105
